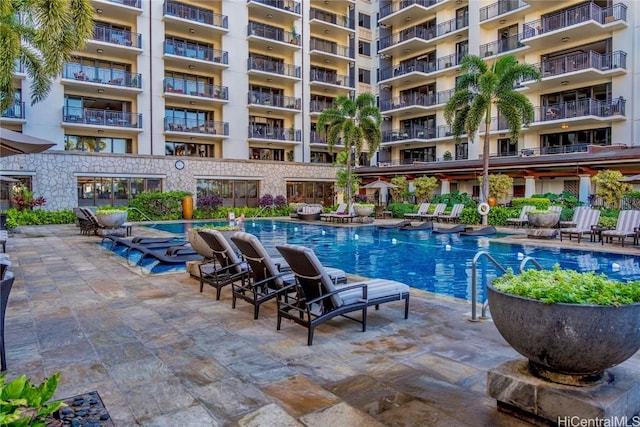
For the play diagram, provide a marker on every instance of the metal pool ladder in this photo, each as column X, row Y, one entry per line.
column 474, row 281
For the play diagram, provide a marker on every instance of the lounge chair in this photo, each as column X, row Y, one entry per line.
column 87, row 227
column 176, row 254
column 437, row 211
column 6, row 283
column 4, row 236
column 522, row 219
column 142, row 241
column 422, row 210
column 340, row 210
column 225, row 267
column 310, row 212
column 577, row 212
column 456, row 211
column 403, row 223
column 426, row 225
column 265, row 276
column 587, row 220
column 455, row 229
column 318, row 299
column 484, row 231
column 627, row 226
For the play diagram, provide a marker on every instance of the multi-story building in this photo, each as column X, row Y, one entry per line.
column 233, row 89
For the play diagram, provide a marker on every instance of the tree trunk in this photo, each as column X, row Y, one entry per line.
column 485, row 166
column 349, row 186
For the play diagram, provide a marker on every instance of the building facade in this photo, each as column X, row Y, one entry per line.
column 233, row 89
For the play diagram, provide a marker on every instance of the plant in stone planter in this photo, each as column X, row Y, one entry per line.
column 543, row 218
column 112, row 217
column 25, row 404
column 363, row 209
column 550, row 316
column 200, row 246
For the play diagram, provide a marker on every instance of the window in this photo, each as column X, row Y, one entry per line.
column 364, row 76
column 574, row 141
column 311, row 192
column 114, row 191
column 97, row 144
column 364, row 48
column 364, row 20
column 236, row 193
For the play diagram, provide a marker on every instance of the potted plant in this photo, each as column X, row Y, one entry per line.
column 543, row 218
column 25, row 404
column 447, row 155
column 112, row 217
column 295, row 37
column 500, row 186
column 200, row 246
column 550, row 316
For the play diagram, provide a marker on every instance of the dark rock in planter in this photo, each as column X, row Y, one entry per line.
column 85, row 410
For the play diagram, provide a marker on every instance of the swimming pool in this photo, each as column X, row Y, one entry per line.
column 433, row 262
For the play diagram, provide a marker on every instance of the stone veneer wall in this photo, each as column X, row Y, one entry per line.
column 54, row 173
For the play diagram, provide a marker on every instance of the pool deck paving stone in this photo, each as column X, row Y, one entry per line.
column 160, row 353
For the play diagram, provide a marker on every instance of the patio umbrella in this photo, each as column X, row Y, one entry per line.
column 633, row 179
column 380, row 184
column 12, row 143
column 8, row 179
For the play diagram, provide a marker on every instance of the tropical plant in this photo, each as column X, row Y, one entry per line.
column 23, row 198
column 280, row 201
column 353, row 122
column 447, row 155
column 500, row 185
column 209, row 202
column 425, row 187
column 402, row 187
column 478, row 89
column 41, row 35
column 25, row 404
column 609, row 187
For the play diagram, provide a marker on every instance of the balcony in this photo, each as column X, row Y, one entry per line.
column 581, row 68
column 196, row 54
column 183, row 18
column 114, row 42
column 337, row 26
column 317, row 106
column 281, row 12
column 504, row 9
column 330, row 82
column 185, row 90
column 420, row 69
column 271, row 101
column 584, row 21
column 268, row 133
column 265, row 36
column 79, row 117
column 396, row 12
column 104, row 80
column 118, row 8
column 330, row 52
column 418, row 38
column 502, row 46
column 320, row 140
column 415, row 102
column 14, row 113
column 415, row 135
column 207, row 128
column 583, row 112
column 263, row 70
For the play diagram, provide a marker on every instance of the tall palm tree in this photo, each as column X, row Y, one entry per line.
column 41, row 34
column 352, row 122
column 478, row 89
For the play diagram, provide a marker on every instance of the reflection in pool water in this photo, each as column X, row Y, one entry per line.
column 434, row 262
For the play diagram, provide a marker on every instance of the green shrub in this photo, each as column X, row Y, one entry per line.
column 498, row 215
column 157, row 206
column 564, row 199
column 539, row 202
column 454, row 198
column 399, row 209
column 257, row 212
column 607, row 222
column 470, row 216
column 17, row 218
column 24, row 404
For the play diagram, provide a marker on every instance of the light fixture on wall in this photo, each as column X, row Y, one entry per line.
column 98, row 10
column 502, row 21
column 565, row 39
column 564, row 82
column 269, row 47
column 99, row 50
column 269, row 15
column 192, row 102
column 191, row 67
column 100, row 90
column 564, row 126
column 100, row 131
column 192, row 30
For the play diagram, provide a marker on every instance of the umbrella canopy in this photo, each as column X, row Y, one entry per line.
column 12, row 143
column 380, row 184
column 633, row 179
column 8, row 179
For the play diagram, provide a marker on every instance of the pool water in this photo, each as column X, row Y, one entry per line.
column 438, row 263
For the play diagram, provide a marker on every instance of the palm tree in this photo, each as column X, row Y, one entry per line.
column 478, row 89
column 41, row 35
column 352, row 122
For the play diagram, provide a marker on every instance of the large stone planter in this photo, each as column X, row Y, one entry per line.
column 543, row 220
column 200, row 246
column 363, row 211
column 566, row 343
column 112, row 220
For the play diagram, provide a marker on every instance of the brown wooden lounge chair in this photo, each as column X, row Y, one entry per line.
column 225, row 268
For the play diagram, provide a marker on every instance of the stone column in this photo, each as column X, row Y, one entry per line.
column 529, row 186
column 445, row 187
column 585, row 188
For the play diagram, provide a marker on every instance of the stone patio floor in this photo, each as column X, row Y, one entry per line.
column 160, row 353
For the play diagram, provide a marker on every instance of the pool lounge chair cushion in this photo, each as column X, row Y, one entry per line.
column 484, row 231
column 320, row 299
column 587, row 220
column 225, row 267
column 627, row 226
column 422, row 210
column 455, row 229
column 426, row 225
column 403, row 223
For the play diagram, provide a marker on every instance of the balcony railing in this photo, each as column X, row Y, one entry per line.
column 576, row 15
column 581, row 108
column 16, row 111
column 423, row 33
column 583, row 61
column 289, row 5
column 121, row 37
column 195, row 14
column 332, row 47
column 271, row 100
column 501, row 46
column 316, row 106
column 190, row 87
column 417, row 132
column 500, row 8
column 340, row 20
column 416, row 99
column 130, row 3
column 398, row 5
column 91, row 116
column 110, row 76
column 274, row 133
column 420, row 66
column 195, row 51
column 330, row 78
column 275, row 67
column 198, row 126
column 272, row 33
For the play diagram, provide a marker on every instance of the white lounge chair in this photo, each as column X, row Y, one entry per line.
column 627, row 226
column 422, row 210
column 587, row 220
column 522, row 218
